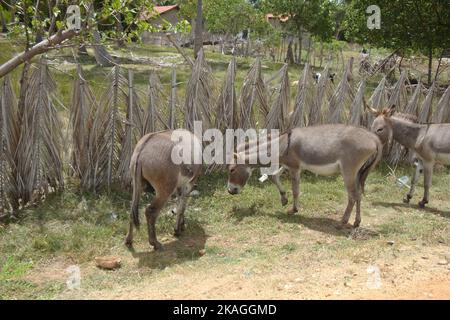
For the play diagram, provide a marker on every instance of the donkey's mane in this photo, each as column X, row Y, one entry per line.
column 406, row 116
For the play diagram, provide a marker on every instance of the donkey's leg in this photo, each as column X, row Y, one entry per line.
column 415, row 178
column 427, row 175
column 181, row 208
column 151, row 213
column 295, row 180
column 129, row 238
column 358, row 213
column 348, row 210
column 276, row 180
column 354, row 194
column 134, row 212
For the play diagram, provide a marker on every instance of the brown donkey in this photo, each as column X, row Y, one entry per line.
column 430, row 142
column 324, row 150
column 152, row 164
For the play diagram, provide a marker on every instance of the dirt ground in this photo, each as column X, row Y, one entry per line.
column 407, row 273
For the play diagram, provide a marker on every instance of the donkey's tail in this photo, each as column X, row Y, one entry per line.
column 369, row 165
column 136, row 176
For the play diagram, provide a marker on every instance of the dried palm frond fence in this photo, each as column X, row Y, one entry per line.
column 31, row 140
column 253, row 101
column 200, row 95
column 104, row 128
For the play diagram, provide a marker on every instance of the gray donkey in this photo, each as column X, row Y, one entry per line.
column 324, row 150
column 430, row 142
column 152, row 164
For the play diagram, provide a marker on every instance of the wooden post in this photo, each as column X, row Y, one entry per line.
column 173, row 99
column 130, row 106
column 151, row 107
column 113, row 125
column 198, row 32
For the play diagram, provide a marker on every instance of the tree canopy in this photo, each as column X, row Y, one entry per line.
column 415, row 24
column 321, row 18
column 418, row 25
column 227, row 16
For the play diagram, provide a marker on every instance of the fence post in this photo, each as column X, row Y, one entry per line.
column 173, row 99
column 113, row 126
column 130, row 95
column 150, row 125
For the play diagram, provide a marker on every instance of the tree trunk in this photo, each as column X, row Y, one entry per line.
column 3, row 22
column 439, row 65
column 23, row 88
column 430, row 64
column 198, row 40
column 321, row 53
column 290, row 53
column 300, row 39
column 295, row 52
column 119, row 29
column 308, row 53
column 39, row 37
column 247, row 50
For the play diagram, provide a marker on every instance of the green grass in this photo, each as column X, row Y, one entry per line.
column 250, row 229
column 249, row 234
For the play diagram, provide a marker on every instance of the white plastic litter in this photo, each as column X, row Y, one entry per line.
column 74, row 280
column 403, row 182
column 265, row 176
column 373, row 277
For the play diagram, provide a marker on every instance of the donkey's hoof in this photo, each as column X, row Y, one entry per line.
column 284, row 201
column 128, row 243
column 407, row 198
column 356, row 224
column 177, row 232
column 292, row 211
column 344, row 225
column 158, row 246
column 422, row 204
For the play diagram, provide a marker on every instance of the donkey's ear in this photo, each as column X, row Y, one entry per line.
column 373, row 111
column 390, row 112
column 369, row 108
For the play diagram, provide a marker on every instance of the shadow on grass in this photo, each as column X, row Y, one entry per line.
column 398, row 205
column 321, row 224
column 209, row 183
column 240, row 213
column 184, row 248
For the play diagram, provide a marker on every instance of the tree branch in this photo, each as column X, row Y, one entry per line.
column 39, row 48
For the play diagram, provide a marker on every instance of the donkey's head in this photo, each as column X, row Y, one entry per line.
column 238, row 175
column 382, row 125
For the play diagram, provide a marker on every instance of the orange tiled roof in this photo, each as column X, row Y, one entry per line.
column 272, row 16
column 157, row 10
column 162, row 9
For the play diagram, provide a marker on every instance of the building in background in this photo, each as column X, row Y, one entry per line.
column 276, row 21
column 159, row 18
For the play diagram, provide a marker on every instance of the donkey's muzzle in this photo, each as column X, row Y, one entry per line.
column 233, row 190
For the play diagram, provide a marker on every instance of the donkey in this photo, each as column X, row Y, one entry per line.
column 430, row 142
column 324, row 150
column 152, row 163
